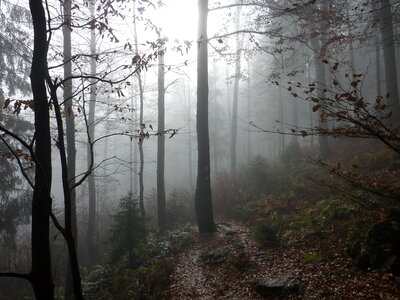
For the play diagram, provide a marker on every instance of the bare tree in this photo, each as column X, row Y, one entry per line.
column 203, row 197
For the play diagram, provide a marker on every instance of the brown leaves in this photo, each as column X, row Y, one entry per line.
column 19, row 105
column 6, row 103
column 316, row 107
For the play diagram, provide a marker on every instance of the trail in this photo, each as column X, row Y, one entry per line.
column 227, row 264
column 195, row 277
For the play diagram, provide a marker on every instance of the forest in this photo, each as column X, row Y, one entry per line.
column 199, row 149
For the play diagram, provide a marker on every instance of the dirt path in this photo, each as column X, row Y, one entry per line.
column 198, row 276
column 226, row 265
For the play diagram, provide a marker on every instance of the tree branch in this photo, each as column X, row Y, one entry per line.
column 16, row 275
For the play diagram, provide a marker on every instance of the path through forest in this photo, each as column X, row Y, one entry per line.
column 226, row 265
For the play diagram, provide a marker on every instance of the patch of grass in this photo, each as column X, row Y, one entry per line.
column 311, row 257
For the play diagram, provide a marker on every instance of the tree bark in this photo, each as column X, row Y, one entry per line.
column 249, row 151
column 203, row 197
column 190, row 161
column 92, row 217
column 389, row 57
column 321, row 94
column 70, row 133
column 41, row 276
column 236, row 92
column 141, row 140
column 161, row 213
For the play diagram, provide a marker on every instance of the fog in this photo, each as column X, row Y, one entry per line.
column 292, row 85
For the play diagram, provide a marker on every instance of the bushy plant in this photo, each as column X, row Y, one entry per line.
column 265, row 230
column 180, row 209
column 127, row 232
column 148, row 279
column 291, row 155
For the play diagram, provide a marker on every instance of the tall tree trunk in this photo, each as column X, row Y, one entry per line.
column 161, row 213
column 203, row 198
column 308, row 64
column 389, row 56
column 92, row 230
column 295, row 118
column 378, row 65
column 190, row 160
column 41, row 276
column 236, row 91
column 249, row 153
column 319, row 45
column 321, row 94
column 281, row 137
column 350, row 33
column 70, row 133
column 141, row 103
column 215, row 132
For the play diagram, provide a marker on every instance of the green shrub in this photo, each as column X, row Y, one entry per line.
column 265, row 232
column 291, row 155
column 127, row 232
column 180, row 208
column 148, row 278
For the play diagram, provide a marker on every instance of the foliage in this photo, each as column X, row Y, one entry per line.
column 311, row 257
column 14, row 56
column 180, row 209
column 128, row 231
column 291, row 155
column 243, row 262
column 149, row 278
column 265, row 230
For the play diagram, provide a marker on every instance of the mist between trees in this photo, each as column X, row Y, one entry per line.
column 123, row 119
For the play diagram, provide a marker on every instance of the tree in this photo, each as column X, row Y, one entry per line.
column 389, row 56
column 141, row 124
column 92, row 218
column 161, row 212
column 127, row 231
column 203, row 197
column 70, row 131
column 319, row 46
column 239, row 42
column 41, row 274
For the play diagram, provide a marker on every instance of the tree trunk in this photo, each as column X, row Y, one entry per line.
column 215, row 132
column 92, row 222
column 190, row 141
column 141, row 154
column 378, row 65
column 321, row 94
column 203, row 198
column 389, row 56
column 308, row 64
column 236, row 92
column 249, row 152
column 41, row 276
column 161, row 214
column 281, row 137
column 70, row 133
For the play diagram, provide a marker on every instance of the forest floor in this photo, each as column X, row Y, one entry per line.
column 227, row 264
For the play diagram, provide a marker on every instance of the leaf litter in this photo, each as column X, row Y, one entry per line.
column 322, row 264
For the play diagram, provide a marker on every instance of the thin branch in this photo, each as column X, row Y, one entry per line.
column 21, row 167
column 57, row 224
column 16, row 275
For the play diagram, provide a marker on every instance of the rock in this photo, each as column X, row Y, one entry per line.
column 226, row 228
column 280, row 287
column 379, row 249
column 214, row 257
